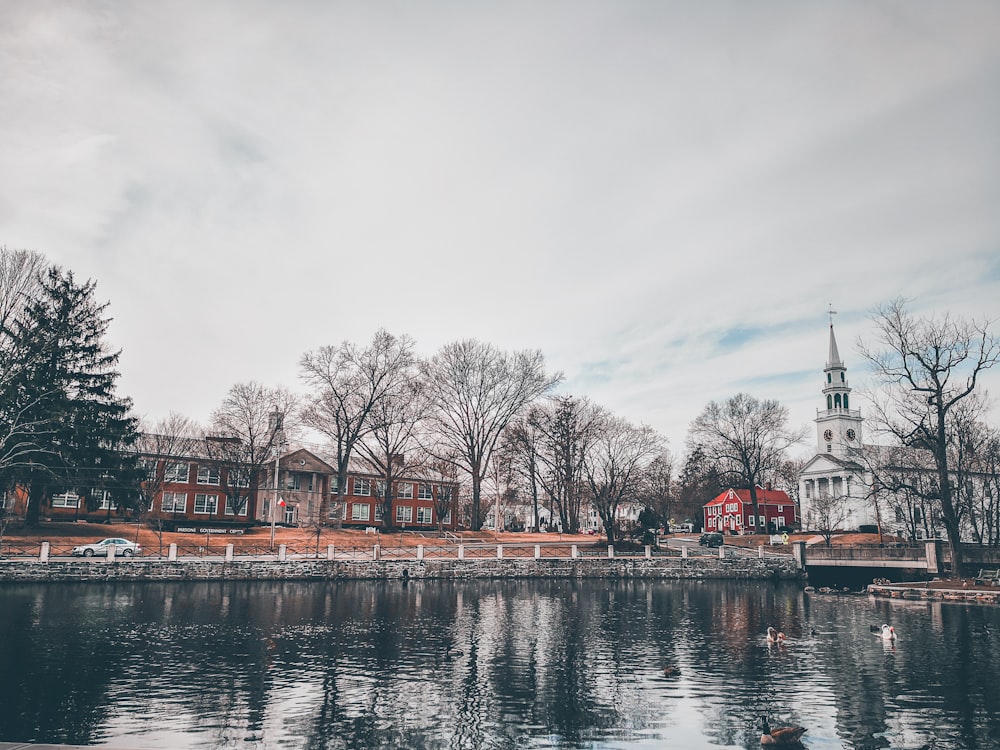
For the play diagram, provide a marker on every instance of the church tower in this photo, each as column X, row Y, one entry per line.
column 838, row 427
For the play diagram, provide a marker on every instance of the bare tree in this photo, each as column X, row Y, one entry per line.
column 392, row 446
column 614, row 463
column 987, row 503
column 477, row 391
column 565, row 427
column 521, row 439
column 656, row 486
column 504, row 480
column 20, row 284
column 747, row 438
column 349, row 385
column 444, row 473
column 246, row 432
column 928, row 366
column 828, row 513
column 170, row 439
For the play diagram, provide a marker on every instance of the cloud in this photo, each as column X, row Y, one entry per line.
column 662, row 197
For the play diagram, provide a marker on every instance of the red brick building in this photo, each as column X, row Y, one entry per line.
column 732, row 512
column 196, row 492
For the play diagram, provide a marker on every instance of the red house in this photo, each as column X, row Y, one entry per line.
column 732, row 512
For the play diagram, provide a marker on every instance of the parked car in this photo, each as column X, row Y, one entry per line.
column 711, row 539
column 122, row 547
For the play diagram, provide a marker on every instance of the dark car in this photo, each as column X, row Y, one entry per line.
column 712, row 539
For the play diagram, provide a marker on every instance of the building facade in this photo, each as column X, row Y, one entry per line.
column 834, row 485
column 192, row 491
column 731, row 512
column 307, row 492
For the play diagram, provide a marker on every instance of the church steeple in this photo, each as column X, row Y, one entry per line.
column 834, row 358
column 838, row 427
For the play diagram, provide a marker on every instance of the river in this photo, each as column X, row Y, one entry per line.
column 489, row 664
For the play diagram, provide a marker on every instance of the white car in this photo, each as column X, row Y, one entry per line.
column 122, row 548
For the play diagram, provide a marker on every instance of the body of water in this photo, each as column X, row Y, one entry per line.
column 489, row 664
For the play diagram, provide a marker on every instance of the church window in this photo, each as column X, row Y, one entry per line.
column 829, row 401
column 836, row 400
column 845, row 400
column 829, row 378
column 841, row 377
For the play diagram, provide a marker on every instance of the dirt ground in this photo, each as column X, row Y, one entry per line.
column 66, row 534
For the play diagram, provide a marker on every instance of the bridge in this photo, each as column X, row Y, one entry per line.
column 928, row 558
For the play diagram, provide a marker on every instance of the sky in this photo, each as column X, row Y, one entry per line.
column 665, row 198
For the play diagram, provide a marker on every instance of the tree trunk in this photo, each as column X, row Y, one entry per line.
column 753, row 504
column 36, row 494
column 477, row 483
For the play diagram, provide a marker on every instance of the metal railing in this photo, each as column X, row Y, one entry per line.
column 56, row 551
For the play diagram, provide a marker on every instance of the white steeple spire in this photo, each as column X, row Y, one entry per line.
column 838, row 426
column 834, row 359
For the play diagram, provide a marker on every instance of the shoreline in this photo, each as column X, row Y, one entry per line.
column 935, row 591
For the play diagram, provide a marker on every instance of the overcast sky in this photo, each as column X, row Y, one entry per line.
column 663, row 197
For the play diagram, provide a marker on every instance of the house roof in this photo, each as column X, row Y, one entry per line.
column 764, row 497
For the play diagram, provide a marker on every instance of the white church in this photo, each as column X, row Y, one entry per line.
column 837, row 470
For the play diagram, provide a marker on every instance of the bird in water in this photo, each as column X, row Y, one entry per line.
column 779, row 735
column 774, row 636
column 887, row 633
column 671, row 671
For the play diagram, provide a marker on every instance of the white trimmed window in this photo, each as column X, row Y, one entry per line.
column 360, row 511
column 106, row 503
column 362, row 486
column 404, row 490
column 208, row 475
column 379, row 515
column 425, row 492
column 238, row 478
column 751, row 520
column 380, row 488
column 334, row 484
column 174, row 502
column 447, row 518
column 425, row 515
column 206, row 504
column 177, row 472
column 66, row 500
column 148, row 468
column 244, row 506
column 404, row 513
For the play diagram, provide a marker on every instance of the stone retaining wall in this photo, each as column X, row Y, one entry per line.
column 304, row 570
column 917, row 593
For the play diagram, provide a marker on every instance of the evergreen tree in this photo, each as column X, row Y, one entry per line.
column 79, row 432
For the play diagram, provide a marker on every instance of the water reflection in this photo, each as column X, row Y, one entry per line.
column 559, row 664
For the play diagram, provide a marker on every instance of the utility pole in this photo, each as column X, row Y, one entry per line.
column 277, row 426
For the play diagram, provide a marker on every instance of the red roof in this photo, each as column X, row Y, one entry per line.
column 764, row 497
